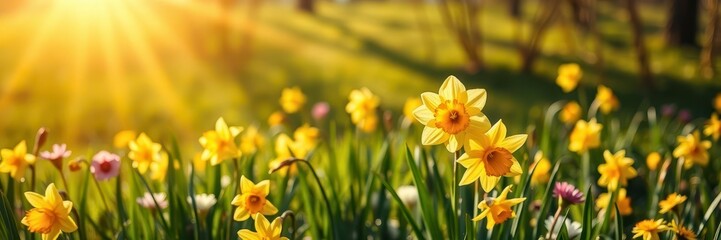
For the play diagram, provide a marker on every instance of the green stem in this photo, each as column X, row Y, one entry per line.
column 322, row 191
column 586, row 168
column 553, row 223
column 454, row 191
column 152, row 196
column 102, row 195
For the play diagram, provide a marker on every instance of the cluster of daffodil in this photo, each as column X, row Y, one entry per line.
column 575, row 176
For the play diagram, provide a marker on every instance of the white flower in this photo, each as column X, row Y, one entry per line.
column 146, row 200
column 408, row 195
column 573, row 228
column 224, row 181
column 203, row 202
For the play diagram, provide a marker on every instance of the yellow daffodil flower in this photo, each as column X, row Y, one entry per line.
column 159, row 169
column 252, row 200
column 681, row 232
column 568, row 76
column 276, row 119
column 292, row 99
column 616, row 171
column 15, row 161
column 692, row 149
column 570, row 113
column 220, row 143
column 453, row 115
column 497, row 210
column 265, row 230
column 622, row 201
column 490, row 157
column 50, row 215
column 671, row 201
column 306, row 137
column 124, row 137
column 143, row 152
column 251, row 141
column 713, row 127
column 585, row 136
column 649, row 229
column 606, row 100
column 652, row 160
column 410, row 105
column 362, row 106
column 543, row 167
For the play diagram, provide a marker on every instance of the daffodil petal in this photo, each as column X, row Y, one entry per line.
column 453, row 89
column 423, row 114
column 430, row 100
column 476, row 98
column 514, row 142
column 269, row 209
column 68, row 225
column 433, row 136
column 246, row 234
column 241, row 214
column 35, row 199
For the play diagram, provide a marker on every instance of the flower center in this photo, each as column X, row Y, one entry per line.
column 40, row 220
column 501, row 213
column 105, row 166
column 255, row 203
column 498, row 161
column 452, row 117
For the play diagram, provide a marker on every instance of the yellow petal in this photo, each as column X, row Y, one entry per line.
column 36, row 200
column 53, row 234
column 483, row 214
column 68, row 225
column 246, row 234
column 433, row 136
column 504, row 193
column 430, row 100
column 241, row 214
column 237, row 201
column 514, row 142
column 262, row 226
column 477, row 98
column 423, row 114
column 21, row 148
column 471, row 174
column 51, row 194
column 264, row 187
column 453, row 89
column 466, row 160
column 276, row 226
column 497, row 132
column 453, row 144
column 246, row 185
column 478, row 126
column 269, row 209
column 488, row 182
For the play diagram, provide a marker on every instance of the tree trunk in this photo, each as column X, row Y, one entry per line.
column 640, row 45
column 712, row 29
column 681, row 27
column 514, row 8
column 306, row 5
column 530, row 52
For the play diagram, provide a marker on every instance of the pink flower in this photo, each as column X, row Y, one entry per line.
column 105, row 165
column 59, row 152
column 56, row 157
column 567, row 194
column 320, row 110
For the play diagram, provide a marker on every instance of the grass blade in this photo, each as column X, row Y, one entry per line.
column 709, row 212
column 404, row 210
column 619, row 223
column 425, row 199
column 587, row 223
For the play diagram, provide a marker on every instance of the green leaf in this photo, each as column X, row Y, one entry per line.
column 547, row 199
column 619, row 223
column 9, row 222
column 587, row 223
column 709, row 212
column 521, row 206
column 470, row 230
column 404, row 210
column 428, row 211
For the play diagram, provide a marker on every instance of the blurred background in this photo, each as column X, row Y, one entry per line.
column 86, row 69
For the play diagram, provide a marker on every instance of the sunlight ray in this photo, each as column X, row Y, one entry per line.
column 148, row 60
column 77, row 83
column 30, row 55
column 114, row 67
